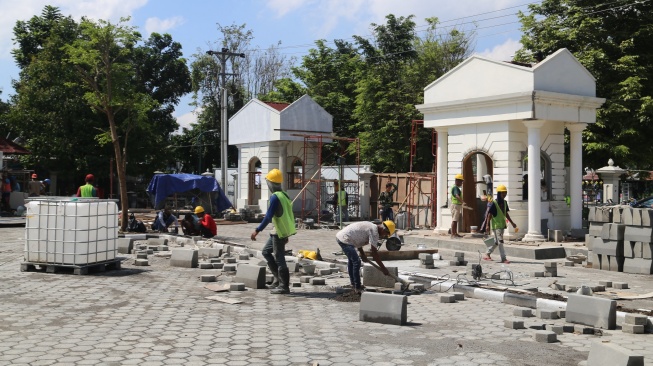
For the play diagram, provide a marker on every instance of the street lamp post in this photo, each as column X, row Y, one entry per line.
column 199, row 150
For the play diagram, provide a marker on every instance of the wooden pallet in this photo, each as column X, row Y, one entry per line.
column 68, row 268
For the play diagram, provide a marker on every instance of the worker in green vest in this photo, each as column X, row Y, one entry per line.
column 456, row 196
column 87, row 190
column 496, row 216
column 341, row 201
column 280, row 214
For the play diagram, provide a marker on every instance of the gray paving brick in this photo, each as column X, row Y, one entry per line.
column 635, row 319
column 513, row 324
column 545, row 336
column 632, row 328
column 523, row 312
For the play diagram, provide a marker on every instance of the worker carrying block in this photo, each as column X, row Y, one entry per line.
column 356, row 236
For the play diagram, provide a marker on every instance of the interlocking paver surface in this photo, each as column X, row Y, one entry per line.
column 159, row 315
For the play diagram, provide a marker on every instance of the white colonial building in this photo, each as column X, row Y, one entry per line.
column 491, row 117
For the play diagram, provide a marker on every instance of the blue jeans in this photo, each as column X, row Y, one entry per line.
column 353, row 264
column 275, row 251
column 387, row 214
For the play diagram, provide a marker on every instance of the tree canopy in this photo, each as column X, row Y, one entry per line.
column 614, row 41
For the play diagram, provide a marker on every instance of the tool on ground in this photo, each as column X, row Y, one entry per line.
column 404, row 283
column 477, row 272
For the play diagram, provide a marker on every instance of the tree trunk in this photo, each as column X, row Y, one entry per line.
column 121, row 168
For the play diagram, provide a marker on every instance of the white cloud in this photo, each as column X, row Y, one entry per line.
column 162, row 25
column 502, row 52
column 13, row 11
column 283, row 7
column 186, row 119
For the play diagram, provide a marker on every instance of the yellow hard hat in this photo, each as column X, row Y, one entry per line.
column 199, row 210
column 390, row 225
column 459, row 176
column 274, row 176
column 502, row 188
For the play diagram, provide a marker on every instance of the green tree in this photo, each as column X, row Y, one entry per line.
column 102, row 58
column 614, row 41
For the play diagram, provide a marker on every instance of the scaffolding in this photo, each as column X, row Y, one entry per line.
column 422, row 191
column 318, row 181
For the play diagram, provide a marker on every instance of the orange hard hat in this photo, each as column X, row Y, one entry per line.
column 34, row 176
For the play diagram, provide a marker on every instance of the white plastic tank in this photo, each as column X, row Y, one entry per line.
column 70, row 231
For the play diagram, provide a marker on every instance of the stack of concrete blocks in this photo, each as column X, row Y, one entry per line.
column 634, row 323
column 459, row 259
column 426, row 260
column 550, row 269
column 624, row 243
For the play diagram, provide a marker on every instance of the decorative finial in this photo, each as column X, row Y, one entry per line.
column 611, row 162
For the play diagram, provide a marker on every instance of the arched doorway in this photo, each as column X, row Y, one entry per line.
column 477, row 167
column 253, row 181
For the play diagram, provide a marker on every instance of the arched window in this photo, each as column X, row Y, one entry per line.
column 545, row 177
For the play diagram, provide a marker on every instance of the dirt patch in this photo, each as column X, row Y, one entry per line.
column 350, row 296
column 544, row 295
column 634, row 311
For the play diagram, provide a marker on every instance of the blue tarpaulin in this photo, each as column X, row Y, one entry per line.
column 164, row 185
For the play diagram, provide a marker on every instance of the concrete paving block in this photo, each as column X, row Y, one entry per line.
column 418, row 287
column 558, row 329
column 593, row 311
column 550, row 264
column 598, row 288
column 162, row 248
column 296, row 284
column 230, row 267
column 375, row 278
column 459, row 254
column 141, row 256
column 632, row 328
column 308, row 269
column 229, row 260
column 235, row 286
column 545, row 336
column 206, row 265
column 620, row 285
column 523, row 312
column 513, row 323
column 605, row 283
column 305, row 279
column 324, row 271
column 458, row 295
column 638, row 265
column 186, row 258
column 150, row 251
column 562, row 314
column 316, row 281
column 609, row 354
column 251, row 276
column 427, row 266
column 207, row 278
column 569, row 264
column 547, row 314
column 217, row 265
column 215, row 260
column 581, row 329
column 335, row 270
column 156, row 241
column 243, row 257
column 608, row 247
column 537, row 274
column 524, row 301
column 426, row 258
column 637, row 233
column 125, row 245
column 141, row 262
column 383, row 308
column 454, row 263
column 635, row 319
column 446, row 298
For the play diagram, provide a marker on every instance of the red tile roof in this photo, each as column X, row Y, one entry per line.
column 10, row 147
column 277, row 106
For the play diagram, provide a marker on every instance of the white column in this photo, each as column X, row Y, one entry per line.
column 534, row 175
column 576, row 173
column 442, row 176
column 365, row 193
column 283, row 154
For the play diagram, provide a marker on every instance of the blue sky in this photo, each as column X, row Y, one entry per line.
column 294, row 23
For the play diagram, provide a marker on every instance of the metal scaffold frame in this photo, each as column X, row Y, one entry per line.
column 415, row 180
column 315, row 187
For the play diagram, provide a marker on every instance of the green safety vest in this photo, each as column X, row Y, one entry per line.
column 499, row 221
column 454, row 200
column 342, row 198
column 86, row 190
column 284, row 225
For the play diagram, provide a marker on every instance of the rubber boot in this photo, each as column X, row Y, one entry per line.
column 284, row 282
column 275, row 273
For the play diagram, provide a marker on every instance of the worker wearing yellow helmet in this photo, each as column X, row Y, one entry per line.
column 280, row 214
column 207, row 224
column 356, row 236
column 496, row 216
column 456, row 197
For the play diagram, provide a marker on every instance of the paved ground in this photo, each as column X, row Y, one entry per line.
column 159, row 315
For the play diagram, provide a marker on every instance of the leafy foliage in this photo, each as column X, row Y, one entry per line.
column 614, row 41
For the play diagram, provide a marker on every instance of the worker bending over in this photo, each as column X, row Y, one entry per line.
column 207, row 224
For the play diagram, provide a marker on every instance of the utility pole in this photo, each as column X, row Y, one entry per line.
column 223, row 56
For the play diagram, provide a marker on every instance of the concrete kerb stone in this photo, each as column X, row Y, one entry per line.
column 125, row 245
column 520, row 300
column 186, row 258
column 608, row 354
column 592, row 311
column 157, row 241
column 383, row 308
column 251, row 276
column 490, row 295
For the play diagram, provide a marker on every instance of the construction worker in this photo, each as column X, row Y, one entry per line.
column 356, row 236
column 280, row 214
column 208, row 229
column 341, row 201
column 87, row 190
column 45, row 186
column 456, row 195
column 34, row 186
column 496, row 216
column 164, row 219
column 386, row 201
